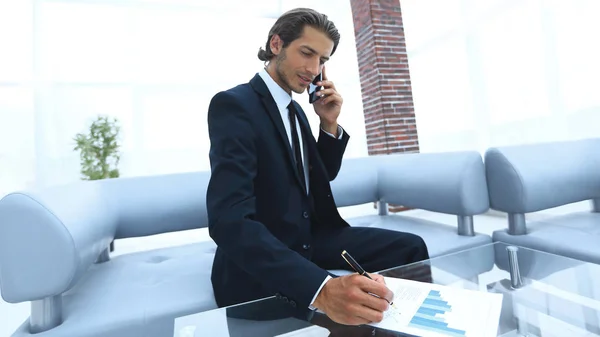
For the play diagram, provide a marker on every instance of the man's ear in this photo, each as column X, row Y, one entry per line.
column 276, row 44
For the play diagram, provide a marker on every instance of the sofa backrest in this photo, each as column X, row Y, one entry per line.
column 158, row 204
column 450, row 182
column 534, row 177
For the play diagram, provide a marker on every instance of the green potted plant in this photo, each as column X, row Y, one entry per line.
column 99, row 151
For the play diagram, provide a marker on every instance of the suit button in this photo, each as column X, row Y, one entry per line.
column 305, row 215
column 293, row 304
column 306, row 247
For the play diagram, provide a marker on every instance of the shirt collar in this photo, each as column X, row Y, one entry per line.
column 282, row 98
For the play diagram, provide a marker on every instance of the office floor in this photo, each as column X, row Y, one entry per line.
column 13, row 315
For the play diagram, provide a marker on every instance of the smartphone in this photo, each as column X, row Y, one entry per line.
column 313, row 88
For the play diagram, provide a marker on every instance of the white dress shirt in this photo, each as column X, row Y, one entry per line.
column 283, row 99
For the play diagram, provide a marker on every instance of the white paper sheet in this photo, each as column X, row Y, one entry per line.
column 431, row 310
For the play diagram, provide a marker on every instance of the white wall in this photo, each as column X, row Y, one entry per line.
column 484, row 73
column 153, row 64
column 490, row 72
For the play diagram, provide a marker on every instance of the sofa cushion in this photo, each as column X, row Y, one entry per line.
column 138, row 294
column 575, row 235
column 440, row 239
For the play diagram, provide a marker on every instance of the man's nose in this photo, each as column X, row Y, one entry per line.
column 314, row 68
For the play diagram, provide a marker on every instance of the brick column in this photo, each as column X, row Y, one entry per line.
column 385, row 78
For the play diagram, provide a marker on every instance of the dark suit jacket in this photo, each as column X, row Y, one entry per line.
column 259, row 215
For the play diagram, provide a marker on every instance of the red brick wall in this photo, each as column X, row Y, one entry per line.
column 385, row 78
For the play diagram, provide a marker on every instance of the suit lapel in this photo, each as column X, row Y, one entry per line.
column 269, row 103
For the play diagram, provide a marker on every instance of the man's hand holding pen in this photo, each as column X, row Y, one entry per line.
column 355, row 299
column 348, row 300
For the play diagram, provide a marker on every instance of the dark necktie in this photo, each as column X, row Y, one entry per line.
column 296, row 144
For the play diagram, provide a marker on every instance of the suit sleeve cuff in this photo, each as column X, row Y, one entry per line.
column 317, row 293
column 340, row 132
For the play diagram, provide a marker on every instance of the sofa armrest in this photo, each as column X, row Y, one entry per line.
column 451, row 183
column 533, row 177
column 48, row 239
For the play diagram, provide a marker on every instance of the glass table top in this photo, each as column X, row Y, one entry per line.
column 543, row 295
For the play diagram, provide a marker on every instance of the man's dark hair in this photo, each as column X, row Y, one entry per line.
column 290, row 25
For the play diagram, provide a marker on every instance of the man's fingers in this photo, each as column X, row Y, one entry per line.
column 361, row 314
column 328, row 99
column 370, row 315
column 377, row 278
column 327, row 92
column 353, row 313
column 377, row 288
column 327, row 84
column 376, row 303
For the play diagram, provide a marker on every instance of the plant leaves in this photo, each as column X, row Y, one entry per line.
column 99, row 149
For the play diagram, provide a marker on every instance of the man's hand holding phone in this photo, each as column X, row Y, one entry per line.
column 328, row 105
column 313, row 88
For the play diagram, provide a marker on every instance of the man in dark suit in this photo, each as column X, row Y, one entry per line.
column 270, row 206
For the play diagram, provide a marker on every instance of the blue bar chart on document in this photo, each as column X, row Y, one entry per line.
column 432, row 314
column 430, row 310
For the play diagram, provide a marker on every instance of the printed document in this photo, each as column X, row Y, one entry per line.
column 431, row 310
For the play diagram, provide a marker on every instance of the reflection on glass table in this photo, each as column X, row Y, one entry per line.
column 543, row 295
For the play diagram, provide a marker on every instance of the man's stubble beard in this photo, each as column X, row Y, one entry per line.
column 282, row 76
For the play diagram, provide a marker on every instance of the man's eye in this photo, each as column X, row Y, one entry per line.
column 305, row 53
